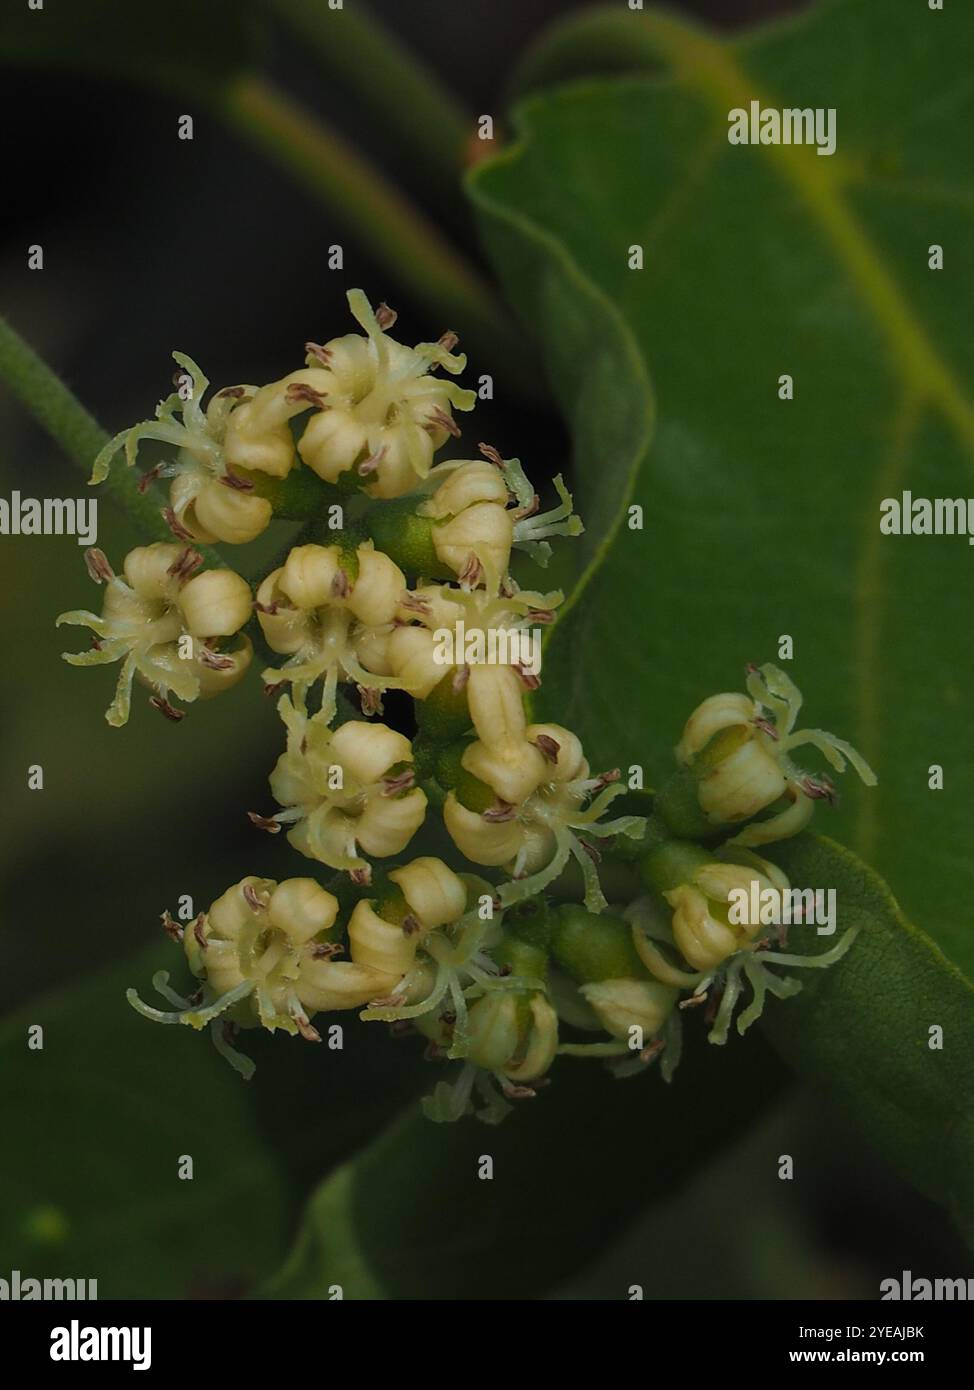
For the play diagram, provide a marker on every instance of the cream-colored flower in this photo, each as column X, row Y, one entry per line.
column 265, row 954
column 384, row 415
column 626, row 1004
column 166, row 624
column 739, row 747
column 242, row 430
column 487, row 642
column 535, row 838
column 346, row 791
column 320, row 608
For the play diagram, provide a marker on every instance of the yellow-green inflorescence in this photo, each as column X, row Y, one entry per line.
column 524, row 949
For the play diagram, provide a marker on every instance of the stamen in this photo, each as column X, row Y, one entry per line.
column 411, row 925
column 301, row 391
column 341, row 585
column 172, row 928
column 165, row 708
column 384, row 316
column 472, row 572
column 361, row 877
column 392, row 786
column 491, row 455
column 253, row 899
column 500, row 812
column 176, row 526
column 231, row 393
column 199, row 925
column 185, row 563
column 325, row 950
column 368, row 466
column 265, row 823
column 548, row 746
column 448, row 340
column 319, row 353
column 96, row 563
column 233, row 480
column 214, row 660
column 438, row 418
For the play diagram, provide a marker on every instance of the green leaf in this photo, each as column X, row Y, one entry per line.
column 861, row 1030
column 761, row 516
column 103, row 1113
column 107, row 1107
column 179, row 42
column 410, row 1217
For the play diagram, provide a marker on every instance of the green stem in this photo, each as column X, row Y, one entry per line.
column 383, row 222
column 417, row 114
column 65, row 419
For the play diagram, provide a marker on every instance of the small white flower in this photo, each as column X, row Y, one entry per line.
column 320, row 607
column 345, row 790
column 384, row 413
column 165, row 623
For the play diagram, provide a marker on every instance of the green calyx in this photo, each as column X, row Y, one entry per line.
column 591, row 948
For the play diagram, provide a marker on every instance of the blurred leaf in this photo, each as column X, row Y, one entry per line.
column 103, row 1114
column 411, row 1218
column 860, row 1031
column 181, row 41
column 106, row 1109
column 762, row 515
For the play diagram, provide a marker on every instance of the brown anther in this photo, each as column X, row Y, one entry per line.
column 96, row 563
column 199, row 925
column 149, row 477
column 505, row 970
column 307, row 1029
column 501, row 811
column 232, row 393
column 185, row 563
column 361, row 877
column 820, row 789
column 713, row 1004
column 529, row 680
column 273, row 687
column 385, row 317
column 318, row 352
column 325, row 950
column 370, row 699
column 491, row 455
column 460, row 678
column 172, row 928
column 767, row 726
column 605, row 779
column 414, row 603
column 368, row 466
column 548, row 747
column 215, row 660
column 195, row 998
column 176, row 526
column 751, row 670
column 341, row 585
column 392, row 786
column 301, row 391
column 448, row 1018
column 96, row 643
column 438, row 419
column 593, row 853
column 253, row 899
column 543, row 616
column 272, row 827
column 411, row 925
column 472, row 572
column 448, row 340
column 521, row 513
column 651, row 1051
column 269, row 608
column 234, row 480
column 166, row 709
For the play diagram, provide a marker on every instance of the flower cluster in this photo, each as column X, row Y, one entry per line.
column 518, row 954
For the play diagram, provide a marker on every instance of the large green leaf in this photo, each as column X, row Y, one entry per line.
column 865, row 1030
column 411, row 1217
column 762, row 515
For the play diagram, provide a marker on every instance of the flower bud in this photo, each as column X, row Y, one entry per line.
column 622, row 1005
column 435, row 894
column 216, row 603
